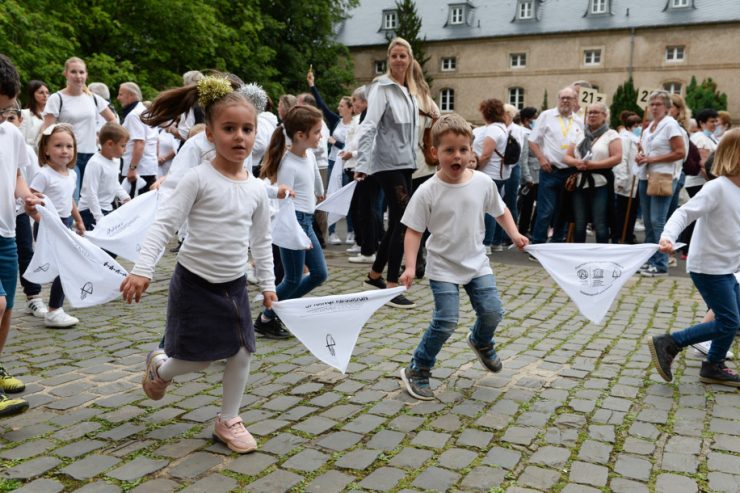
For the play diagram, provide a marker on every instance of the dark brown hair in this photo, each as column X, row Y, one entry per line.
column 299, row 118
column 112, row 131
column 492, row 110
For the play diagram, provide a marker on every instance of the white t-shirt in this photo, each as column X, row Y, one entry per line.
column 454, row 215
column 497, row 133
column 301, row 174
column 100, row 186
column 715, row 244
column 708, row 143
column 30, row 127
column 554, row 133
column 58, row 187
column 599, row 152
column 80, row 112
column 320, row 152
column 167, row 144
column 13, row 156
column 625, row 170
column 225, row 218
column 265, row 129
column 658, row 143
column 138, row 130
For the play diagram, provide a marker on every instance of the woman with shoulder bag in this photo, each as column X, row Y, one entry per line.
column 661, row 150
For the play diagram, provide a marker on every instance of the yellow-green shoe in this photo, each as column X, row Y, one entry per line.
column 9, row 383
column 10, row 407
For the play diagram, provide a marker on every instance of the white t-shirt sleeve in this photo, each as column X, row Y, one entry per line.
column 418, row 210
column 495, row 205
column 39, row 182
column 136, row 128
column 52, row 105
column 100, row 104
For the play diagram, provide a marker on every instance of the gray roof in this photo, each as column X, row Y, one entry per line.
column 497, row 18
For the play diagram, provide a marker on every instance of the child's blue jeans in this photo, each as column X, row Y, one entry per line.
column 294, row 283
column 488, row 310
column 721, row 293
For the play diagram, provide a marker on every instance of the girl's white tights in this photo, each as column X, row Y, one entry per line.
column 234, row 381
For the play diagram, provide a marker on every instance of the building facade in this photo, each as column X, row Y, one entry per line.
column 515, row 50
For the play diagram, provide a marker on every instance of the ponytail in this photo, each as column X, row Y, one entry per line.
column 274, row 155
column 170, row 104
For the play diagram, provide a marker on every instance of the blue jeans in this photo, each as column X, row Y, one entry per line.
column 490, row 236
column 8, row 270
column 654, row 216
column 721, row 293
column 294, row 283
column 548, row 192
column 676, row 192
column 510, row 190
column 488, row 310
column 80, row 166
column 595, row 201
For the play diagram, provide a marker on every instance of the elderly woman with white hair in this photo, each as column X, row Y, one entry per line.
column 594, row 155
column 661, row 152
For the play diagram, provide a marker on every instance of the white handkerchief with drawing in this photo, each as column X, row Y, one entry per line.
column 286, row 232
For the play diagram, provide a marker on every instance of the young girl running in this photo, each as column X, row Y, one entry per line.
column 57, row 180
column 714, row 257
column 227, row 210
column 296, row 169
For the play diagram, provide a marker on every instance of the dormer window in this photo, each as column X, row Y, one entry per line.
column 680, row 4
column 525, row 9
column 599, row 7
column 457, row 15
column 390, row 20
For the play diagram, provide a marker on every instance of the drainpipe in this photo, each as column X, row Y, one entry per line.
column 632, row 52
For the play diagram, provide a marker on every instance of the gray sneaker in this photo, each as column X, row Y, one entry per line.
column 417, row 383
column 487, row 355
column 663, row 350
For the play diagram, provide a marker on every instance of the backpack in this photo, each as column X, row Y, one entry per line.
column 511, row 154
column 61, row 101
column 692, row 164
column 426, row 141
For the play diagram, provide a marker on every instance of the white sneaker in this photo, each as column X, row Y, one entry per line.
column 703, row 348
column 36, row 307
column 639, row 225
column 251, row 274
column 334, row 239
column 350, row 238
column 57, row 318
column 488, row 250
column 362, row 259
column 354, row 249
column 497, row 248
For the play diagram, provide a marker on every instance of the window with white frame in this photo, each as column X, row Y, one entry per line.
column 679, row 4
column 599, row 6
column 449, row 64
column 592, row 56
column 516, row 97
column 390, row 19
column 673, row 87
column 674, row 53
column 457, row 14
column 526, row 9
column 380, row 66
column 447, row 99
column 517, row 60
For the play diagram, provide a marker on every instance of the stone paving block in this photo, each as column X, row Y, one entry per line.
column 359, row 460
column 99, row 487
column 170, row 431
column 592, row 451
column 637, row 446
column 382, row 479
column 31, row 468
column 502, row 457
column 554, row 457
column 251, row 464
column 340, row 440
column 89, row 467
column 385, row 440
column 180, row 448
column 723, row 463
column 329, row 482
column 604, row 433
column 671, row 483
column 621, row 485
column 27, row 432
column 578, row 488
column 676, row 462
column 76, row 431
column 273, row 482
column 27, row 450
column 719, row 481
column 520, row 435
column 471, row 437
column 307, row 460
column 137, row 468
column 121, row 432
column 537, row 477
column 364, row 423
column 194, row 465
column 633, row 467
column 41, row 486
column 726, row 442
column 432, row 439
column 282, row 444
column 411, row 458
column 406, row 423
column 435, row 479
column 483, row 479
column 456, row 458
column 583, row 472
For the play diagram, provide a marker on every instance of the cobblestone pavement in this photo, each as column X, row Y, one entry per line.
column 577, row 408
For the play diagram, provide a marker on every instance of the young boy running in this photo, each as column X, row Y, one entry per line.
column 452, row 205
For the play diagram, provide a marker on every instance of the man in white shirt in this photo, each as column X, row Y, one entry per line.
column 554, row 130
column 140, row 159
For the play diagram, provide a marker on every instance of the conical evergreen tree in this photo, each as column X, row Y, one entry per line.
column 705, row 95
column 624, row 99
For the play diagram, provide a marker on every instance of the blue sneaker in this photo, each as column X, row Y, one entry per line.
column 417, row 383
column 487, row 355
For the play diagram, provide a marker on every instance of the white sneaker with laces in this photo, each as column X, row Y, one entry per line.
column 488, row 250
column 57, row 318
column 350, row 238
column 334, row 239
column 36, row 307
column 703, row 348
column 354, row 249
column 362, row 259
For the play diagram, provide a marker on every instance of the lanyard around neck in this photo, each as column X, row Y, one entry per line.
column 565, row 130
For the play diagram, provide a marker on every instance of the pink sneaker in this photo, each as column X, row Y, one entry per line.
column 234, row 435
column 154, row 387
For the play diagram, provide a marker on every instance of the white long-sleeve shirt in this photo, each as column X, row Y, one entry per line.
column 100, row 186
column 301, row 174
column 715, row 244
column 225, row 218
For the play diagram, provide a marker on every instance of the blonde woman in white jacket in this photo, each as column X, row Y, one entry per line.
column 387, row 147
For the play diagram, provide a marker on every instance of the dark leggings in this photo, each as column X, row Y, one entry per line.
column 368, row 225
column 396, row 185
column 24, row 243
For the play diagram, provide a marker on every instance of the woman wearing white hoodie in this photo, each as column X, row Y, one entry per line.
column 387, row 150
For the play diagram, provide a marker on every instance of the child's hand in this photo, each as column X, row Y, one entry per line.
column 133, row 287
column 80, row 228
column 269, row 298
column 285, row 191
column 407, row 276
column 30, row 204
column 520, row 241
column 665, row 246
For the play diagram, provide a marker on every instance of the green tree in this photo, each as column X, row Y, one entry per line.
column 409, row 28
column 545, row 105
column 704, row 95
column 624, row 99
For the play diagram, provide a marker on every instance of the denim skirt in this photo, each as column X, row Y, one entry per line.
column 206, row 321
